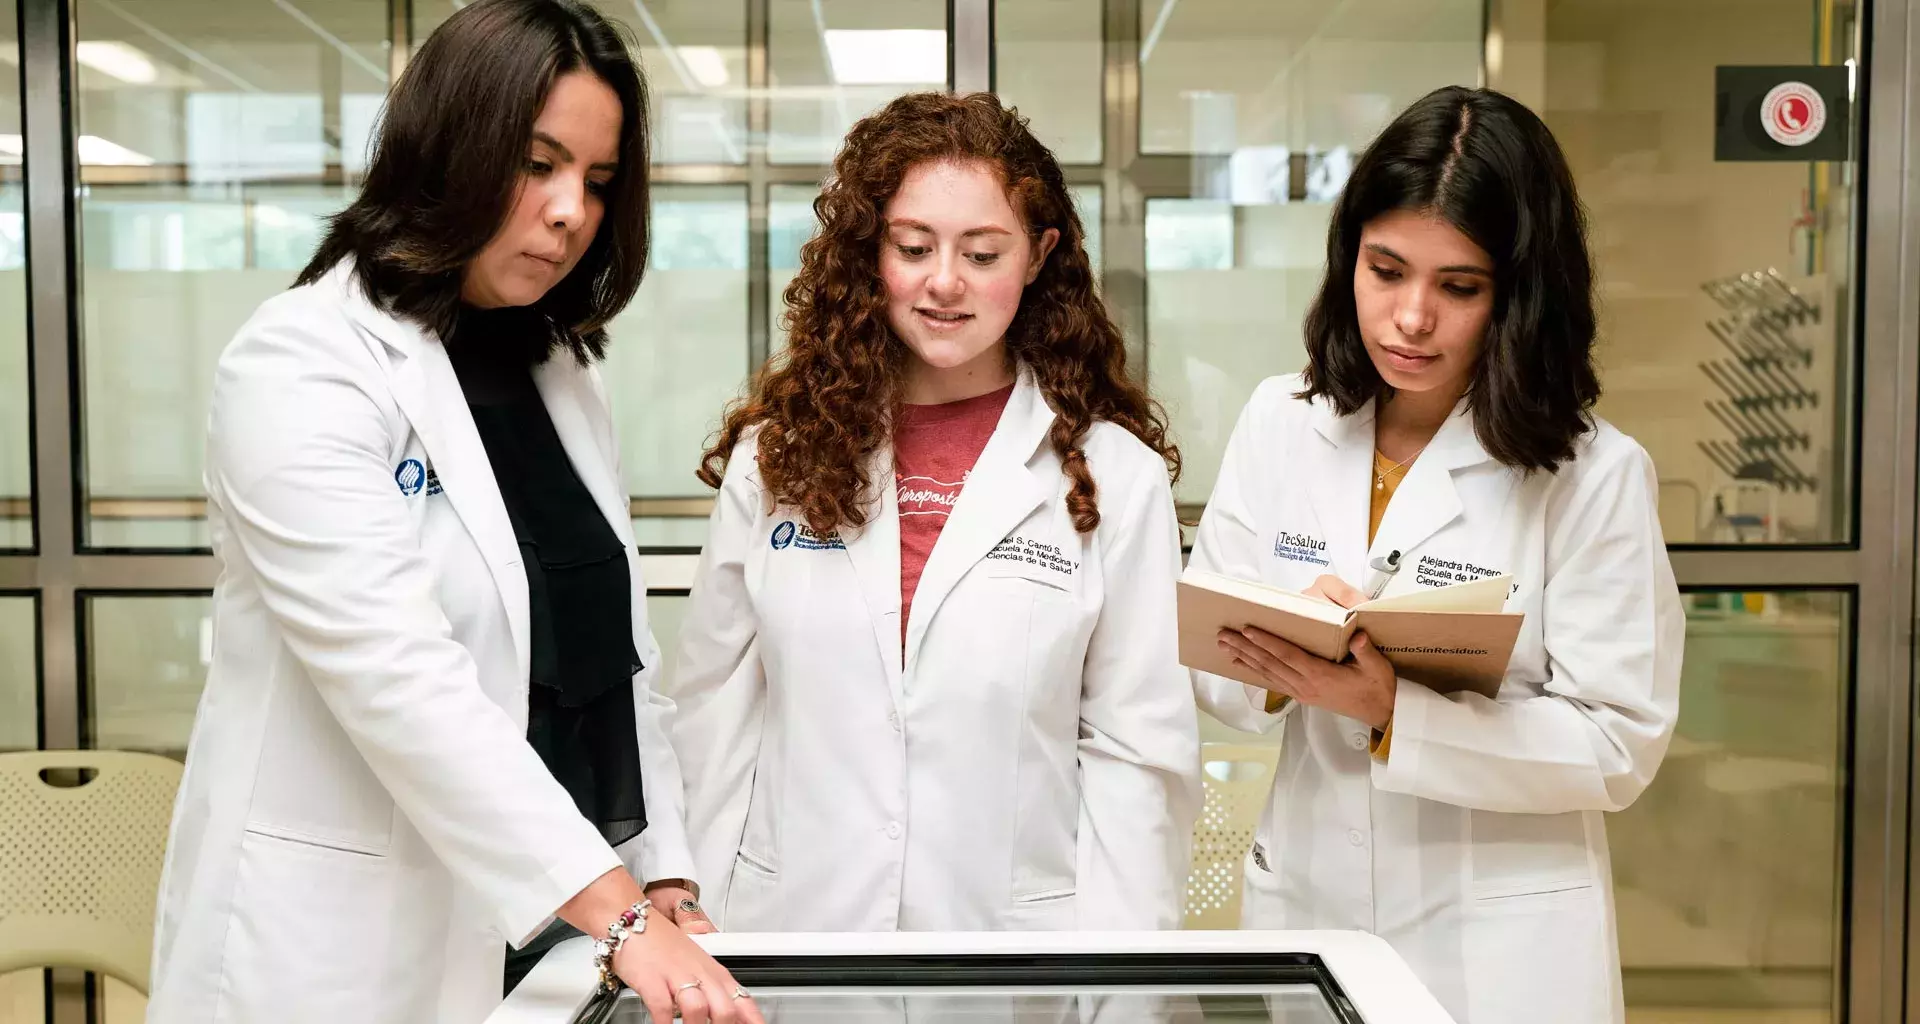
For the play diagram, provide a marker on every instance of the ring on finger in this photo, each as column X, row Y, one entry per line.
column 741, row 993
column 688, row 906
column 688, row 985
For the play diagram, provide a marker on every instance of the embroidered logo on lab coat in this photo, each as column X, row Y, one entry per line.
column 1300, row 547
column 413, row 477
column 795, row 535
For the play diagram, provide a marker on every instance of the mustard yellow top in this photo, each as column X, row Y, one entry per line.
column 1382, row 482
column 1386, row 480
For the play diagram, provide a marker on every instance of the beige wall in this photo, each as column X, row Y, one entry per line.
column 1628, row 90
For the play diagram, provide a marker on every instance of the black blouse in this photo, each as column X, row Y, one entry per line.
column 580, row 704
column 580, row 714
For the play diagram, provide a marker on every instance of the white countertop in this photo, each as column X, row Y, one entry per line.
column 1372, row 976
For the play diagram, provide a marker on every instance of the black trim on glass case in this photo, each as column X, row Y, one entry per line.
column 1058, row 970
column 1052, row 969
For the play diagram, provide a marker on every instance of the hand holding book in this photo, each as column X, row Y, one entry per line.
column 1360, row 687
column 1335, row 590
column 1446, row 638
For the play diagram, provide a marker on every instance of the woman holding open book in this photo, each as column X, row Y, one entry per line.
column 1442, row 434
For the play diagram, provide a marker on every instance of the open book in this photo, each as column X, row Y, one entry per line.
column 1445, row 638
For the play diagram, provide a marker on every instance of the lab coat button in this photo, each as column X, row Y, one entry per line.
column 1354, row 837
column 893, row 830
column 1359, row 741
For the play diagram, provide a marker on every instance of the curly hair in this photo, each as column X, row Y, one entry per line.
column 825, row 404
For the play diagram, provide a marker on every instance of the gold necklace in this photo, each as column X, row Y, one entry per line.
column 1380, row 475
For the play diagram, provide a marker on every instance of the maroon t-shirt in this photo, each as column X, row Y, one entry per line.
column 934, row 448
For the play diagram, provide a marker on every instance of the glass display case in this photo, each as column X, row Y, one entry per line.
column 1030, row 978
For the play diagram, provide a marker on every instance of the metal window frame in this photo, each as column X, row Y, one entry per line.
column 1878, row 568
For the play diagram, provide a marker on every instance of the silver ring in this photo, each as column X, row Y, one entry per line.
column 689, row 907
column 688, row 985
column 741, row 993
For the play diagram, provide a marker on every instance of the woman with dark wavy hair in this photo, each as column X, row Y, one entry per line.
column 1443, row 434
column 928, row 678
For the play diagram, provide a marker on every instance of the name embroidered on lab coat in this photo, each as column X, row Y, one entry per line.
column 1444, row 572
column 1028, row 551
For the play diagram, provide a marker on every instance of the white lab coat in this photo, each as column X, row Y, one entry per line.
column 362, row 827
column 1478, row 848
column 1034, row 765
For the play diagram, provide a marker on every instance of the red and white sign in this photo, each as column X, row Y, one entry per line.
column 1793, row 113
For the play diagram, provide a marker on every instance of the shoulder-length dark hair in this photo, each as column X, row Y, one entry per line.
column 446, row 169
column 1488, row 166
column 826, row 402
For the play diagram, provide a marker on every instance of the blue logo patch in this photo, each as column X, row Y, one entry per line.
column 411, row 476
column 802, row 538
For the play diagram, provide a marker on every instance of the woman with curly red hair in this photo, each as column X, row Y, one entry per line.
column 928, row 678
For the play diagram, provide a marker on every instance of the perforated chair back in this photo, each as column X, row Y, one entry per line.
column 80, row 865
column 1237, row 781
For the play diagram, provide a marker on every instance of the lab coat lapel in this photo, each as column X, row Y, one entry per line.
column 583, row 422
column 578, row 419
column 1338, row 481
column 1000, row 492
column 875, row 552
column 429, row 395
column 1427, row 499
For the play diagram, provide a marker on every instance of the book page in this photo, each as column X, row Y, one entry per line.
column 1272, row 597
column 1488, row 595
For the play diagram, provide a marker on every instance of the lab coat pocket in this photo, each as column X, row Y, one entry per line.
column 1047, row 596
column 1049, row 910
column 753, row 896
column 1541, row 955
column 1260, row 905
column 1046, row 576
column 318, row 920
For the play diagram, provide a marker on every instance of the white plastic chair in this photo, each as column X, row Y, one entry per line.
column 1237, row 780
column 80, row 865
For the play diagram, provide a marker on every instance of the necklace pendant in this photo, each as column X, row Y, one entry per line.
column 1380, row 483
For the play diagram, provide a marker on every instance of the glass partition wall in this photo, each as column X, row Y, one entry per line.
column 172, row 163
